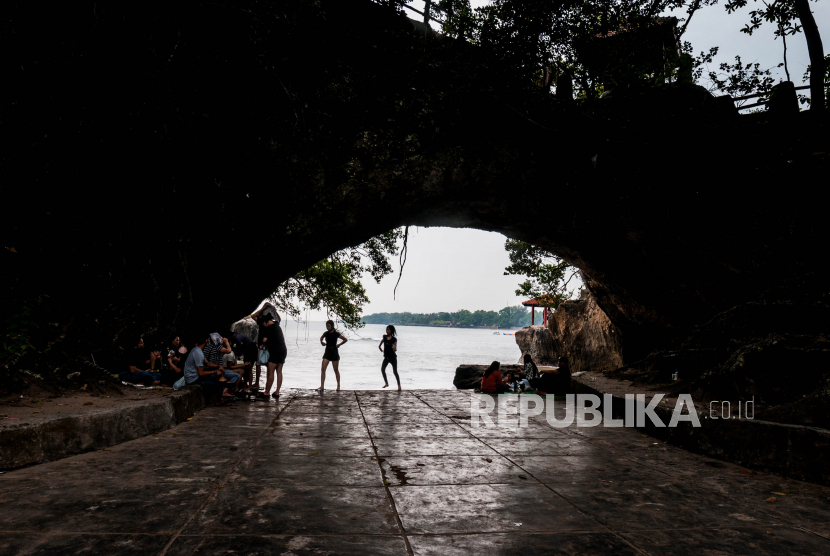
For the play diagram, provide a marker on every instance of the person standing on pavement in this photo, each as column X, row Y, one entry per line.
column 389, row 348
column 272, row 339
column 331, row 354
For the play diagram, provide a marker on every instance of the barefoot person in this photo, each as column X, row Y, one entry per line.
column 272, row 339
column 331, row 354
column 215, row 348
column 389, row 347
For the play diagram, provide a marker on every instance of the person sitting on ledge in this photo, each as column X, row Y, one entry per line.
column 139, row 363
column 230, row 364
column 531, row 371
column 556, row 381
column 195, row 371
column 176, row 356
column 510, row 381
column 214, row 349
column 491, row 382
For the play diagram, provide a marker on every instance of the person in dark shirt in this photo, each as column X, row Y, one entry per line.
column 389, row 347
column 139, row 367
column 530, row 371
column 272, row 339
column 176, row 355
column 331, row 354
column 260, row 316
column 555, row 381
column 245, row 346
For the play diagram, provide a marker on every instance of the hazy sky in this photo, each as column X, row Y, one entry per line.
column 447, row 269
column 712, row 26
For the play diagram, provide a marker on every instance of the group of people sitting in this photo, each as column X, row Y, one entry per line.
column 216, row 361
column 549, row 380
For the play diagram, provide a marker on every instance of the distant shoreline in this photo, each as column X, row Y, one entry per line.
column 471, row 327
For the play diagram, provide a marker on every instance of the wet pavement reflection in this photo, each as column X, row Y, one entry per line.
column 380, row 472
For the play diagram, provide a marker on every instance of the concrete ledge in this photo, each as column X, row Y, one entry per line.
column 65, row 436
column 794, row 451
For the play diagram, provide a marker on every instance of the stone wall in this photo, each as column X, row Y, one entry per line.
column 579, row 330
column 64, row 436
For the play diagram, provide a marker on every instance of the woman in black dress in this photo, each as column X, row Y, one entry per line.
column 272, row 339
column 389, row 347
column 331, row 354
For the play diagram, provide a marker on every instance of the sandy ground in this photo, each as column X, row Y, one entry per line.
column 25, row 410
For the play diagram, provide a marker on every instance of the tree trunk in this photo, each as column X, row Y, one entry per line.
column 816, row 51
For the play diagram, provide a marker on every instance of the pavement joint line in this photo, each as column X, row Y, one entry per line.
column 221, row 482
column 289, row 535
column 808, row 531
column 99, row 533
column 580, row 510
column 397, row 535
column 589, row 532
column 386, row 486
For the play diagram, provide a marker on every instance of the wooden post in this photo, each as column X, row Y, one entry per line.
column 545, row 316
column 532, row 315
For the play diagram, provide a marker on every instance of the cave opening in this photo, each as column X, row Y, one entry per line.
column 453, row 304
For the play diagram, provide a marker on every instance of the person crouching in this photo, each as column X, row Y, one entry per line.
column 215, row 348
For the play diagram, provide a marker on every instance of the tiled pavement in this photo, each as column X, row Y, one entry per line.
column 400, row 473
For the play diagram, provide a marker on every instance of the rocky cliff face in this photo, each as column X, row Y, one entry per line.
column 537, row 341
column 582, row 332
column 579, row 330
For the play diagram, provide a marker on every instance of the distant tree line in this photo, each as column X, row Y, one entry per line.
column 505, row 318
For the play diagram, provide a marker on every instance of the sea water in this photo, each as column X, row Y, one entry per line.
column 427, row 356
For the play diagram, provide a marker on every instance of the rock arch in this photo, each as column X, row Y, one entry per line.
column 170, row 166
